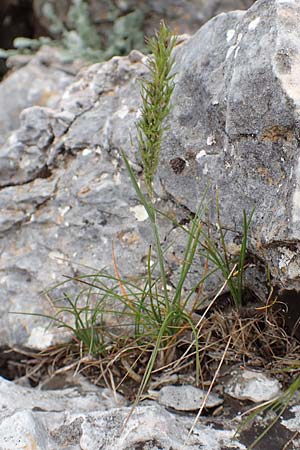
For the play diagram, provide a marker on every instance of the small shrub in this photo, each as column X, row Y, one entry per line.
column 79, row 40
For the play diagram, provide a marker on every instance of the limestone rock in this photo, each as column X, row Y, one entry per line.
column 235, row 125
column 187, row 398
column 48, row 420
column 293, row 423
column 82, row 397
column 40, row 82
column 66, row 195
column 22, row 430
column 84, row 416
column 254, row 386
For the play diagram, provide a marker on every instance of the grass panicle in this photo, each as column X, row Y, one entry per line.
column 156, row 94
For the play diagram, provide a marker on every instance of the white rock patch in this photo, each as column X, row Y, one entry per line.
column 293, row 424
column 229, row 35
column 254, row 386
column 139, row 212
column 187, row 398
column 252, row 25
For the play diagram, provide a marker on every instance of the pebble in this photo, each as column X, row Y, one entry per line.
column 187, row 398
column 254, row 386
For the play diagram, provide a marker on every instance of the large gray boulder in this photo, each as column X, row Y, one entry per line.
column 65, row 194
column 235, row 127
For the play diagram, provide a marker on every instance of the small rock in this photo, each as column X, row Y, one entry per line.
column 293, row 423
column 187, row 398
column 135, row 56
column 82, row 397
column 254, row 386
column 22, row 430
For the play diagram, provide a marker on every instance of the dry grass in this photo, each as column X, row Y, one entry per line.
column 257, row 339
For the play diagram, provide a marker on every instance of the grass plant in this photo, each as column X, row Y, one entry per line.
column 155, row 318
column 217, row 253
column 145, row 327
column 170, row 310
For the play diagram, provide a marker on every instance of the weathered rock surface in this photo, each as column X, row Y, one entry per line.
column 87, row 417
column 293, row 423
column 235, row 126
column 187, row 398
column 254, row 386
column 40, row 82
column 82, row 397
column 150, row 428
column 77, row 419
column 65, row 194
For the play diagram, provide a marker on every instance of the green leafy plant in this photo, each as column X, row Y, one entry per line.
column 156, row 314
column 126, row 34
column 25, row 46
column 80, row 21
column 152, row 317
column 87, row 327
column 79, row 39
column 169, row 310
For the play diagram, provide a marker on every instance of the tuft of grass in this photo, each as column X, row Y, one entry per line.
column 217, row 253
column 169, row 310
column 155, row 318
column 82, row 317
